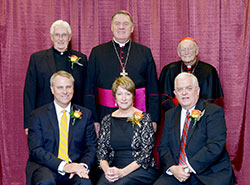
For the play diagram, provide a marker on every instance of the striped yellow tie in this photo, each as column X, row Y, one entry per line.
column 63, row 143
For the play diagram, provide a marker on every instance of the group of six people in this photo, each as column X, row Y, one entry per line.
column 119, row 88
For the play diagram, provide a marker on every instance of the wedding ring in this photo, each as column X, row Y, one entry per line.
column 186, row 170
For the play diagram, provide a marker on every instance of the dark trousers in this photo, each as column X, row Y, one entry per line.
column 165, row 179
column 45, row 176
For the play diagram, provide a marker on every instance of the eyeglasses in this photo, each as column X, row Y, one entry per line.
column 186, row 89
column 63, row 36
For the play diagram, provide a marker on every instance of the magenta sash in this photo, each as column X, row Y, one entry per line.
column 105, row 98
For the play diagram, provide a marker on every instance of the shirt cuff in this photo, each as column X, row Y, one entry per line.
column 61, row 167
column 85, row 166
column 190, row 167
column 169, row 172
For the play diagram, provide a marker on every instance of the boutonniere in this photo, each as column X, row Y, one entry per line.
column 136, row 118
column 196, row 115
column 74, row 60
column 75, row 114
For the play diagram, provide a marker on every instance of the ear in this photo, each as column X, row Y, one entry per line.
column 174, row 92
column 198, row 90
column 52, row 89
column 132, row 29
column 51, row 37
column 197, row 51
column 70, row 36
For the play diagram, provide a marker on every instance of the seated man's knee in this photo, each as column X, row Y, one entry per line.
column 43, row 176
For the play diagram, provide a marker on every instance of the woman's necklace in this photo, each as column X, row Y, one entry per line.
column 123, row 73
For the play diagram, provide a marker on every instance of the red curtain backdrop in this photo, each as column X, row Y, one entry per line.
column 221, row 28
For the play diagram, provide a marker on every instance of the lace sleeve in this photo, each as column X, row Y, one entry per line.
column 143, row 142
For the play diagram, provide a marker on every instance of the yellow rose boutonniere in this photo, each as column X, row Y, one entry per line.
column 196, row 115
column 75, row 115
column 74, row 60
column 136, row 118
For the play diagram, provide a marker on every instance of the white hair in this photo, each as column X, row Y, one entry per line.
column 184, row 75
column 60, row 22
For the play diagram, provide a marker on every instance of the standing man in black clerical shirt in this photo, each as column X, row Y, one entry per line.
column 44, row 63
column 121, row 57
column 210, row 87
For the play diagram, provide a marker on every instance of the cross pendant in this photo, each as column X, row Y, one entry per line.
column 123, row 73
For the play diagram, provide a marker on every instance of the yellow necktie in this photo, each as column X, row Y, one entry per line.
column 63, row 142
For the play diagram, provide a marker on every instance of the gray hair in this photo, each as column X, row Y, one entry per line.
column 184, row 75
column 60, row 22
column 61, row 73
column 194, row 42
column 124, row 12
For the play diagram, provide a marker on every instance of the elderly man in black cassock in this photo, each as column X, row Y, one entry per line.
column 207, row 75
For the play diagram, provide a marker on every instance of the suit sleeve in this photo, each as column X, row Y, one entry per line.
column 36, row 145
column 167, row 158
column 90, row 143
column 30, row 88
column 90, row 89
column 214, row 147
column 152, row 91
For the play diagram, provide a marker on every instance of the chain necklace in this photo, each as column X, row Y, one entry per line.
column 123, row 73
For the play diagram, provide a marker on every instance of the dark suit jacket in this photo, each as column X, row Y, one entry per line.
column 205, row 147
column 37, row 83
column 43, row 139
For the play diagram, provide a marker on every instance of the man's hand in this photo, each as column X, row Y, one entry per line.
column 97, row 129
column 179, row 172
column 154, row 126
column 113, row 174
column 75, row 168
column 26, row 130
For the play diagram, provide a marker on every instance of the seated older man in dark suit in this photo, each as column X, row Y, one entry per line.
column 192, row 148
column 61, row 140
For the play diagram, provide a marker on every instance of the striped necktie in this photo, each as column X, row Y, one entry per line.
column 182, row 155
column 63, row 142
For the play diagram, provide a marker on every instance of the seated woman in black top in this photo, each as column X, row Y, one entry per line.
column 126, row 141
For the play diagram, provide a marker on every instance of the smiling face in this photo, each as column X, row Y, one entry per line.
column 124, row 98
column 122, row 27
column 62, row 89
column 188, row 51
column 60, row 38
column 186, row 92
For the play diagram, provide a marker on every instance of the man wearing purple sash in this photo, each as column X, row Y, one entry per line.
column 121, row 57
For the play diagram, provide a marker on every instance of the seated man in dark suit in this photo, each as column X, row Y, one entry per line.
column 192, row 148
column 61, row 140
column 44, row 63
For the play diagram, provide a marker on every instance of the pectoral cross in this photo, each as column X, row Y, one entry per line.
column 123, row 73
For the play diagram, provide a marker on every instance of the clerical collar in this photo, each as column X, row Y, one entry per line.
column 189, row 69
column 121, row 44
column 60, row 53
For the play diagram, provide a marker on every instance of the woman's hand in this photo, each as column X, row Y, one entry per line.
column 113, row 174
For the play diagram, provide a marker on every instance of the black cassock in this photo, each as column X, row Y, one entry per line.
column 104, row 67
column 210, row 87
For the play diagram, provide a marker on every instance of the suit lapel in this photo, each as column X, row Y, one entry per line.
column 71, row 125
column 53, row 120
column 177, row 126
column 51, row 61
column 192, row 127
